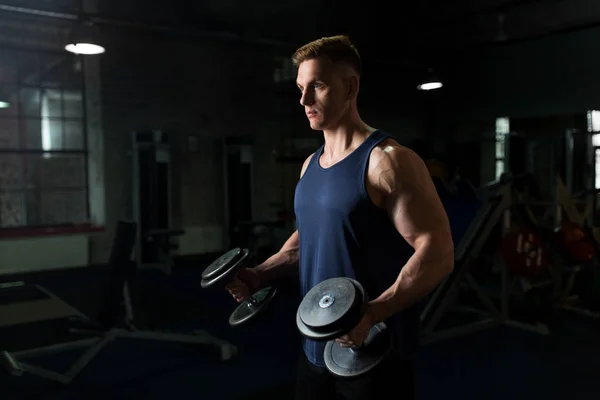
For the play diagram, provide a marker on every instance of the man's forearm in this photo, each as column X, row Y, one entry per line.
column 421, row 274
column 280, row 265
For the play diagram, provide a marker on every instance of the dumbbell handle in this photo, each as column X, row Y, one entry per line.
column 356, row 349
column 252, row 302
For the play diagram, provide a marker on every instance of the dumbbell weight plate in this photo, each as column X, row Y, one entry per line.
column 316, row 335
column 223, row 268
column 247, row 310
column 330, row 308
column 225, row 260
column 346, row 362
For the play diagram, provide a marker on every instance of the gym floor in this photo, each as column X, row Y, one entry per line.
column 495, row 364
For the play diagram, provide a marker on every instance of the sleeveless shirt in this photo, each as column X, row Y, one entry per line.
column 342, row 233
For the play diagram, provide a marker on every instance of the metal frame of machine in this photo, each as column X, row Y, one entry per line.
column 495, row 208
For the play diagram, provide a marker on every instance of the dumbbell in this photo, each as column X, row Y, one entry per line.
column 330, row 310
column 223, row 270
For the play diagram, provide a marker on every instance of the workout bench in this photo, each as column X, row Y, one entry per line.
column 99, row 334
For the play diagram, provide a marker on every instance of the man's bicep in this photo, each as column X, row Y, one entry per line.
column 415, row 207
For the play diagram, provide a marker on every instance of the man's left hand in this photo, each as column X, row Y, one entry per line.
column 359, row 333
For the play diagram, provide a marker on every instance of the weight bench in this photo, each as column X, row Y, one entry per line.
column 162, row 246
column 24, row 304
column 97, row 334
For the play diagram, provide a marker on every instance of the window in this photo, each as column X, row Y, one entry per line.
column 43, row 156
column 593, row 125
column 597, row 168
column 58, row 133
column 502, row 129
column 593, row 121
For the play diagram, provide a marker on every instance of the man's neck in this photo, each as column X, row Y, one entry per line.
column 345, row 138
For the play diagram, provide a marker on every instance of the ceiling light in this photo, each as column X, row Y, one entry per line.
column 4, row 104
column 84, row 39
column 430, row 85
column 84, row 48
column 431, row 82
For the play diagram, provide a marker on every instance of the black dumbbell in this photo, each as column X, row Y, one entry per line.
column 223, row 270
column 330, row 310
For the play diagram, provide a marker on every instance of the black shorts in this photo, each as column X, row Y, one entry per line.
column 392, row 379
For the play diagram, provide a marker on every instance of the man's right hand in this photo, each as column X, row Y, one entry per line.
column 246, row 282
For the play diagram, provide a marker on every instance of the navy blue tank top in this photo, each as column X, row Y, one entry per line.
column 343, row 233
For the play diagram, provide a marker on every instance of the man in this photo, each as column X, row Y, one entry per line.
column 366, row 208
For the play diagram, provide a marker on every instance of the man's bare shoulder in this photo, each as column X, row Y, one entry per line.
column 391, row 163
column 390, row 151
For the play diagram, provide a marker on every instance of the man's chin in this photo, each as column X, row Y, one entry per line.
column 315, row 126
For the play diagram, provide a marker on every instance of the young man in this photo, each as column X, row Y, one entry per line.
column 366, row 208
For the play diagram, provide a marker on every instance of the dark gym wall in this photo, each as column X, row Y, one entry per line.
column 554, row 75
column 543, row 133
column 550, row 81
column 206, row 90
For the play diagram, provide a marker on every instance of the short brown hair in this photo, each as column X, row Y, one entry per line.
column 338, row 48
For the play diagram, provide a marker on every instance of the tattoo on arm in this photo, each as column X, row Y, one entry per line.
column 293, row 257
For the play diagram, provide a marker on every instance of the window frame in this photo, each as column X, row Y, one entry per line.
column 502, row 129
column 593, row 127
column 26, row 228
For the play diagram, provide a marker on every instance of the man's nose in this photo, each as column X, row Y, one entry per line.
column 307, row 98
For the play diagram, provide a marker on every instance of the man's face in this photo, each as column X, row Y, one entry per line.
column 325, row 93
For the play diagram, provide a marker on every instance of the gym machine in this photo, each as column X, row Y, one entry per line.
column 578, row 249
column 151, row 188
column 495, row 210
column 99, row 333
column 575, row 200
column 558, row 226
